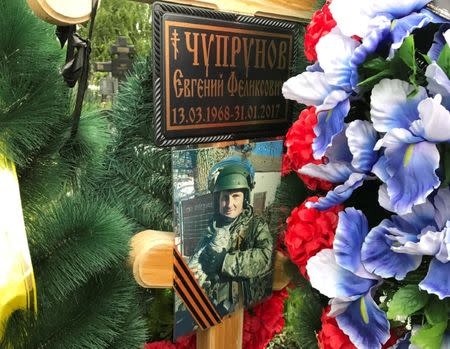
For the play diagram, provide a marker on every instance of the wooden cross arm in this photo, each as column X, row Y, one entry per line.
column 152, row 261
column 299, row 10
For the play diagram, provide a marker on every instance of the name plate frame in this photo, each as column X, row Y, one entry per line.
column 237, row 106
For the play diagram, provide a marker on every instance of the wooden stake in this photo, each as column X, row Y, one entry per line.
column 226, row 335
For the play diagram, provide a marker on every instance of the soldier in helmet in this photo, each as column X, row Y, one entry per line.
column 233, row 260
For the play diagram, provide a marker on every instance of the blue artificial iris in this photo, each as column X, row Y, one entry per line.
column 351, row 153
column 340, row 275
column 397, row 245
column 327, row 85
column 412, row 125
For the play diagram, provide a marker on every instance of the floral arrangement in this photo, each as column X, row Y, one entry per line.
column 378, row 98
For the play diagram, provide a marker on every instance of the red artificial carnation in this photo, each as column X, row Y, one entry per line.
column 309, row 231
column 321, row 24
column 299, row 140
column 264, row 321
column 331, row 336
column 160, row 345
column 185, row 342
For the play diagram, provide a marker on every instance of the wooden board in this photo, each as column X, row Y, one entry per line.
column 294, row 10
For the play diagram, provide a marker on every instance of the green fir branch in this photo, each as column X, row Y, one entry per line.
column 85, row 321
column 302, row 314
column 74, row 240
column 33, row 100
column 139, row 173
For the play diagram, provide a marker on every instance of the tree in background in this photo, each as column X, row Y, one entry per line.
column 78, row 242
column 119, row 17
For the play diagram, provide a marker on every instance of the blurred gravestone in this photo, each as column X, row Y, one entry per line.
column 121, row 62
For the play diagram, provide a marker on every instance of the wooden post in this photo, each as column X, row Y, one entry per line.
column 152, row 261
column 227, row 334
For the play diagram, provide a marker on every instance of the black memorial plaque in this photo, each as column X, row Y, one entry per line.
column 218, row 76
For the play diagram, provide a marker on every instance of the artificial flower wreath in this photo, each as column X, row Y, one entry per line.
column 380, row 90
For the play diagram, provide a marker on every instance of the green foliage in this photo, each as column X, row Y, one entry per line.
column 429, row 336
column 405, row 65
column 319, row 4
column 97, row 232
column 436, row 311
column 444, row 60
column 119, row 17
column 78, row 242
column 83, row 318
column 33, row 100
column 139, row 174
column 303, row 310
column 83, row 301
column 132, row 329
column 406, row 54
column 85, row 153
column 406, row 301
column 139, row 179
column 159, row 306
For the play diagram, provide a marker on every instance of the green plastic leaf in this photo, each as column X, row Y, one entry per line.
column 407, row 301
column 426, row 58
column 373, row 80
column 429, row 336
column 444, row 60
column 403, row 66
column 436, row 312
column 407, row 53
column 376, row 64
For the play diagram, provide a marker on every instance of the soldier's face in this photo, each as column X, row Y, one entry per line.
column 231, row 203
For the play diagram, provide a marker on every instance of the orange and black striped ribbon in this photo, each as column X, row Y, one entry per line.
column 194, row 297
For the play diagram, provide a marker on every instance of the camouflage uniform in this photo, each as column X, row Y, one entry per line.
column 235, row 260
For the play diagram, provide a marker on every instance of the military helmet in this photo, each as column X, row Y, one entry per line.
column 233, row 176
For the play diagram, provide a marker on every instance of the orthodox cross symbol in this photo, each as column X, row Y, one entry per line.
column 174, row 41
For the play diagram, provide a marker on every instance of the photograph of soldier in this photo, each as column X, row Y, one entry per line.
column 232, row 257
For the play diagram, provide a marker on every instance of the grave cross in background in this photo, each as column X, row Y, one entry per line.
column 121, row 62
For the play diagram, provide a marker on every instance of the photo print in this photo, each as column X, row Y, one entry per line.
column 225, row 247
